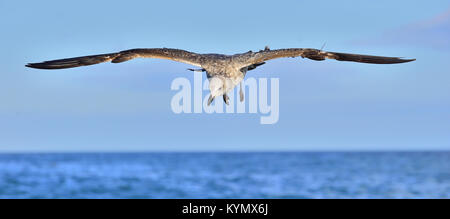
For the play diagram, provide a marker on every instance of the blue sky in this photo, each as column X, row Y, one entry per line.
column 323, row 106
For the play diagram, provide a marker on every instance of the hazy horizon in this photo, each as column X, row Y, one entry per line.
column 222, row 151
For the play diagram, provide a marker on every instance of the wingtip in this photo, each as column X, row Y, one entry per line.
column 34, row 65
column 41, row 65
column 37, row 66
column 29, row 65
column 408, row 60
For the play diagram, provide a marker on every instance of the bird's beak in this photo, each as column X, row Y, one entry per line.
column 210, row 99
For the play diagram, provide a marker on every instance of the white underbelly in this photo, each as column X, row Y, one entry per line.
column 231, row 83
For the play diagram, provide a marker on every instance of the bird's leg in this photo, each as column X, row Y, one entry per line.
column 210, row 99
column 198, row 70
column 226, row 99
column 241, row 93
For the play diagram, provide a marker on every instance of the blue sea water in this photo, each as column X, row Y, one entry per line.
column 226, row 175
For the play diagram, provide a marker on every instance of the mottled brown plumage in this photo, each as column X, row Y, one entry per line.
column 230, row 69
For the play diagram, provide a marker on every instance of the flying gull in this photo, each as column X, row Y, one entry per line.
column 224, row 72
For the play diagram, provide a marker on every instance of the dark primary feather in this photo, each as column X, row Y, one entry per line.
column 368, row 58
column 73, row 62
column 319, row 55
column 162, row 53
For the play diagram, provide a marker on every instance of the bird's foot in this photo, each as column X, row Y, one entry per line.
column 210, row 99
column 226, row 99
column 241, row 93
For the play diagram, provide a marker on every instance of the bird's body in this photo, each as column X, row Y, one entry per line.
column 229, row 71
column 223, row 71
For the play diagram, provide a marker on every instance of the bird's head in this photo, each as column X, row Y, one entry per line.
column 216, row 86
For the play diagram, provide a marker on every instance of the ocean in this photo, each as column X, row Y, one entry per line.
column 226, row 175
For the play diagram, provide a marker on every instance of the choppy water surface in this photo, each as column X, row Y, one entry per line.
column 226, row 175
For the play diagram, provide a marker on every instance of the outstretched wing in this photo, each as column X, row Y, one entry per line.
column 320, row 55
column 172, row 54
